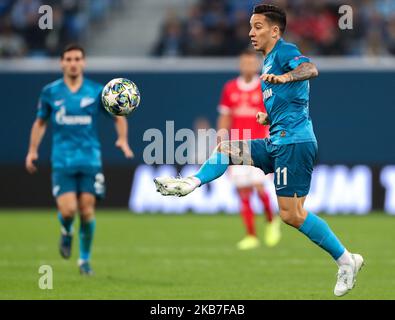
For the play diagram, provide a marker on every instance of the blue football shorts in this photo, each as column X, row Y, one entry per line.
column 79, row 180
column 292, row 165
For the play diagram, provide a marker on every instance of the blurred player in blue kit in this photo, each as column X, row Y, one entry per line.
column 72, row 105
column 290, row 151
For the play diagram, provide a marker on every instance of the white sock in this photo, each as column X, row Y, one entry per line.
column 345, row 259
column 80, row 262
column 196, row 181
column 64, row 232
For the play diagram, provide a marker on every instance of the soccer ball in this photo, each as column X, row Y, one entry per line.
column 120, row 97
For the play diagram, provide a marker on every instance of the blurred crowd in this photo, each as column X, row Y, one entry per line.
column 20, row 34
column 220, row 28
column 208, row 28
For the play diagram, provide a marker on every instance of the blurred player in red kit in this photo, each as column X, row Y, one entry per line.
column 241, row 100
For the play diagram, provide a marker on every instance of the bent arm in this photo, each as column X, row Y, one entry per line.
column 304, row 71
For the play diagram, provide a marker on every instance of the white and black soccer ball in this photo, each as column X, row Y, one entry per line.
column 120, row 97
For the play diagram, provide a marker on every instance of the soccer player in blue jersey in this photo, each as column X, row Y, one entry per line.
column 72, row 105
column 291, row 149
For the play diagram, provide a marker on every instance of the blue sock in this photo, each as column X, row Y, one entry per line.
column 87, row 230
column 213, row 168
column 66, row 223
column 318, row 231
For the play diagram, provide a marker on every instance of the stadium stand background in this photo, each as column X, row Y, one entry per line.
column 20, row 35
column 218, row 28
column 190, row 28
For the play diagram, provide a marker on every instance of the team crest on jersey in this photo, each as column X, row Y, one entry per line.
column 86, row 102
column 58, row 103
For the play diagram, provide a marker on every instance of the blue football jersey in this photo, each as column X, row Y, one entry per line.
column 287, row 104
column 73, row 117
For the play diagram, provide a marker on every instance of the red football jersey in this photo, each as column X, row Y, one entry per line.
column 243, row 101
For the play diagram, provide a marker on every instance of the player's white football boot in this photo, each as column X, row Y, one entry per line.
column 347, row 275
column 179, row 187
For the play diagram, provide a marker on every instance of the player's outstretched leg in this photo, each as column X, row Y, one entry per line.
column 87, row 231
column 318, row 231
column 226, row 153
column 213, row 168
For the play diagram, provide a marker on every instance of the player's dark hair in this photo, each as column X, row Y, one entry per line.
column 72, row 47
column 274, row 14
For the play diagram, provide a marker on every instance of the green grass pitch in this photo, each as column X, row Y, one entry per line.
column 189, row 257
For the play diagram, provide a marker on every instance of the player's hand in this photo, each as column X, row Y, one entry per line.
column 272, row 78
column 30, row 158
column 262, row 118
column 124, row 146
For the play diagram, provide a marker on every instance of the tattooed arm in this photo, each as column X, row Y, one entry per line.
column 304, row 71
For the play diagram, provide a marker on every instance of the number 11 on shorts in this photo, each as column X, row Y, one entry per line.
column 281, row 172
